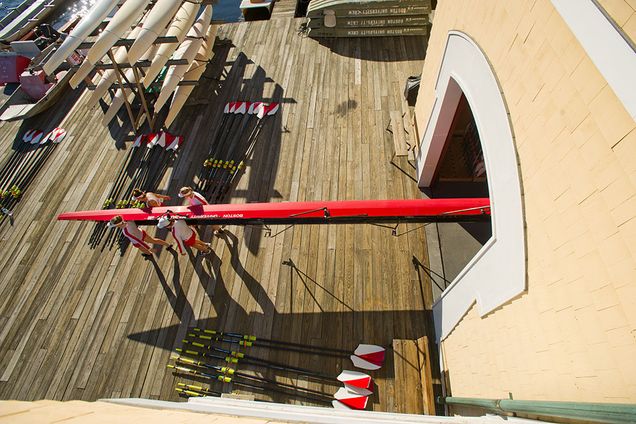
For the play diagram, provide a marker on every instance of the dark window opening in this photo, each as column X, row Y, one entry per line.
column 461, row 172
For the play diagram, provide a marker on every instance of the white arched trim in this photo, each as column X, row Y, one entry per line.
column 498, row 272
column 605, row 45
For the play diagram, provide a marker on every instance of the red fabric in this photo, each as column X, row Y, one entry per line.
column 190, row 242
column 134, row 240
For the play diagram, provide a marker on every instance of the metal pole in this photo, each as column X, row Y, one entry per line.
column 598, row 412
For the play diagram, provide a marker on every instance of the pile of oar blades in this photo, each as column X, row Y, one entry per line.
column 23, row 165
column 233, row 144
column 201, row 348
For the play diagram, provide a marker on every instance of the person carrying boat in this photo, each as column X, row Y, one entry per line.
column 183, row 234
column 152, row 200
column 196, row 199
column 139, row 238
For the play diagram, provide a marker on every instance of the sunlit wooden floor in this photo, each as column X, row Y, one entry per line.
column 77, row 323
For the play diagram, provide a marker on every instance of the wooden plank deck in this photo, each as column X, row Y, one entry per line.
column 77, row 323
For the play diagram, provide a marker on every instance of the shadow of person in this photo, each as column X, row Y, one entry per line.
column 177, row 299
column 253, row 285
column 205, row 277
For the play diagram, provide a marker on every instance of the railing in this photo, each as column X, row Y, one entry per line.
column 598, row 412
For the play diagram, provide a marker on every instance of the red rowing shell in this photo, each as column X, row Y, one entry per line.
column 371, row 210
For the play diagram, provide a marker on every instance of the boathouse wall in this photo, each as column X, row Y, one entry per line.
column 571, row 335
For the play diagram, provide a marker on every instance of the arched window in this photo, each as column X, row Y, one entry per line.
column 497, row 273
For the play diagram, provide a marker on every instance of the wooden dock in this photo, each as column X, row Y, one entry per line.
column 77, row 323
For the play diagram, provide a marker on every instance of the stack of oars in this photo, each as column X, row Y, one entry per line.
column 23, row 165
column 143, row 168
column 234, row 143
column 201, row 348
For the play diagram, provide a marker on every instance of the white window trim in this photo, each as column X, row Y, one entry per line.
column 605, row 45
column 497, row 273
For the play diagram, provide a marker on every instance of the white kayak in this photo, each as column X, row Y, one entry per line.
column 118, row 100
column 187, row 50
column 178, row 28
column 126, row 16
column 196, row 69
column 82, row 30
column 158, row 18
column 110, row 76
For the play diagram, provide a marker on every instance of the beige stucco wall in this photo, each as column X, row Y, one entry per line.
column 572, row 336
column 622, row 12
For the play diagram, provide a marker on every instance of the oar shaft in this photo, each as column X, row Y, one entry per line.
column 258, row 361
column 232, row 371
column 225, row 379
column 252, row 338
column 286, row 348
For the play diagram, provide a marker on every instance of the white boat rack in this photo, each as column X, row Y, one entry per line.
column 135, row 84
column 128, row 42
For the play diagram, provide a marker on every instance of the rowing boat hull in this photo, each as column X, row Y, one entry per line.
column 382, row 21
column 154, row 24
column 335, row 212
column 19, row 106
column 197, row 68
column 368, row 32
column 178, row 28
column 109, row 76
column 82, row 30
column 187, row 50
column 118, row 25
column 368, row 8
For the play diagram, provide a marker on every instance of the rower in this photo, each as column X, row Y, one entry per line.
column 152, row 200
column 183, row 234
column 139, row 238
column 196, row 199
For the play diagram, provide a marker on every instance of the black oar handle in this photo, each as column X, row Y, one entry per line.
column 232, row 371
column 225, row 379
column 255, row 339
column 259, row 361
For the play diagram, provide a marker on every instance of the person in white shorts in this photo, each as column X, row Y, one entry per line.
column 139, row 238
column 183, row 234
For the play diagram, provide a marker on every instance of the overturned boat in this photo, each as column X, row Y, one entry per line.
column 37, row 91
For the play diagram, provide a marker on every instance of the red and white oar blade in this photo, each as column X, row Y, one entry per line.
column 351, row 399
column 358, row 390
column 339, row 405
column 371, row 353
column 364, row 364
column 356, row 379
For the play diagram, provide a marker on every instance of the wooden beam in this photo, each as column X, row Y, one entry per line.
column 129, row 41
column 126, row 85
column 140, row 64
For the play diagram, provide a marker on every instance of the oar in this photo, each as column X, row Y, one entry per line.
column 215, row 376
column 195, row 391
column 350, row 399
column 365, row 356
column 231, row 371
column 234, row 357
column 352, row 378
column 254, row 339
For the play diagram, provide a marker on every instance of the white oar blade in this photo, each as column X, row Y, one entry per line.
column 371, row 353
column 365, row 365
column 351, row 399
column 358, row 390
column 339, row 405
column 356, row 379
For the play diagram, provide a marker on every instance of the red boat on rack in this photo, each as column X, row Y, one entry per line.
column 327, row 212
